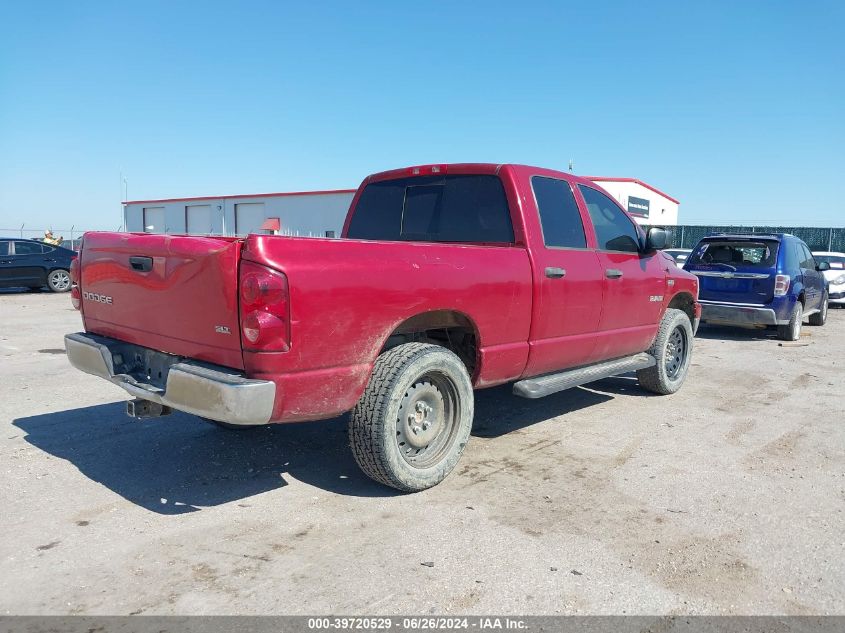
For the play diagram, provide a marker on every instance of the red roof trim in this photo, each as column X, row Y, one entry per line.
column 246, row 195
column 634, row 180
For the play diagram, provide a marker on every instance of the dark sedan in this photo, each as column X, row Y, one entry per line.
column 32, row 264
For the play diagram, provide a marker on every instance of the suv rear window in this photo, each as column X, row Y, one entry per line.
column 460, row 208
column 739, row 253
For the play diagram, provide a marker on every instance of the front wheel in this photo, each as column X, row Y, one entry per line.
column 58, row 280
column 672, row 349
column 410, row 426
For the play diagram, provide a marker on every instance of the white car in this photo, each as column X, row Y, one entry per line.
column 678, row 254
column 835, row 275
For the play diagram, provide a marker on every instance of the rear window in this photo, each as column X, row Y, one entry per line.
column 461, row 208
column 741, row 253
column 28, row 248
column 836, row 262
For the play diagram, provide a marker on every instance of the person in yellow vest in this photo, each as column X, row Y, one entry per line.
column 49, row 239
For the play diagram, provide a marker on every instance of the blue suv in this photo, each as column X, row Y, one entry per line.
column 756, row 280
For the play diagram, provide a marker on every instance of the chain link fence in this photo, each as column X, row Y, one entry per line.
column 71, row 238
column 681, row 236
column 817, row 238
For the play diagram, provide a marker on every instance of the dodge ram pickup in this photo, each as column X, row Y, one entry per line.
column 447, row 278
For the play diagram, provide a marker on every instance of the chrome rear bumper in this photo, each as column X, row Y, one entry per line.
column 205, row 390
column 737, row 314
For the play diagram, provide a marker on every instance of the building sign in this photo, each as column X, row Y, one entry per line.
column 638, row 206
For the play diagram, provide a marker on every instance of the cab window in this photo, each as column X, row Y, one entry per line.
column 614, row 230
column 559, row 215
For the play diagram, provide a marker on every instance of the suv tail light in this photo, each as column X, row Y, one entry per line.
column 265, row 313
column 781, row 285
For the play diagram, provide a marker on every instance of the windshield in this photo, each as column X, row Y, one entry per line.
column 837, row 262
column 736, row 253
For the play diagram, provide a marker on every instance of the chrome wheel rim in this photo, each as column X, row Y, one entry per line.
column 676, row 351
column 60, row 280
column 426, row 425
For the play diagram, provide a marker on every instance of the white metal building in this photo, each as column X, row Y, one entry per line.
column 321, row 213
column 304, row 213
column 647, row 204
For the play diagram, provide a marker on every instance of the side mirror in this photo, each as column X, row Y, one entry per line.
column 822, row 266
column 656, row 239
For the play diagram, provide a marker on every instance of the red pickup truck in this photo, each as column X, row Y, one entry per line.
column 448, row 278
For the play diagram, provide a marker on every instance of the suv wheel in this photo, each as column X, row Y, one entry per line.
column 58, row 281
column 672, row 349
column 820, row 317
column 410, row 426
column 792, row 330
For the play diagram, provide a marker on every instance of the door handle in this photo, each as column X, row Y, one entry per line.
column 555, row 273
column 141, row 264
column 613, row 273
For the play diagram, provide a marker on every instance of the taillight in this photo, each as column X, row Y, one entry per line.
column 73, row 272
column 74, row 269
column 781, row 285
column 265, row 314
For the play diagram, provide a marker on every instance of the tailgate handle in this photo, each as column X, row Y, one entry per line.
column 142, row 264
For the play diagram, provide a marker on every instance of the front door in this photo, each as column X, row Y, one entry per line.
column 634, row 282
column 567, row 278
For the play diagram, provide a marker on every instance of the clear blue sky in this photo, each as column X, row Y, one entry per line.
column 735, row 108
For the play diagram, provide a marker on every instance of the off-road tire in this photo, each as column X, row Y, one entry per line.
column 820, row 317
column 374, row 424
column 668, row 374
column 792, row 330
column 59, row 280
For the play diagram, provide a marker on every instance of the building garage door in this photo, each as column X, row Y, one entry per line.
column 249, row 217
column 154, row 220
column 198, row 219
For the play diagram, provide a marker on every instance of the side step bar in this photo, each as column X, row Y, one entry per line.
column 540, row 386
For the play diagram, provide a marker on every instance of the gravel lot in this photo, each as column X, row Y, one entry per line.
column 727, row 497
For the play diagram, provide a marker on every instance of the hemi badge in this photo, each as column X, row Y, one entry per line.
column 222, row 329
column 670, row 282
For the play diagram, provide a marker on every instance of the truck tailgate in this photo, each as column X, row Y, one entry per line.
column 176, row 294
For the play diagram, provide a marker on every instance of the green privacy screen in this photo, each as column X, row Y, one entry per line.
column 818, row 239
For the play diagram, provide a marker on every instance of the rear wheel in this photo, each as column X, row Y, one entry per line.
column 792, row 330
column 411, row 425
column 58, row 280
column 820, row 317
column 672, row 349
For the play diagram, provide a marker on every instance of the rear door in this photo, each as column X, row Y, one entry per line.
column 27, row 266
column 568, row 286
column 814, row 281
column 735, row 270
column 175, row 294
column 633, row 282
